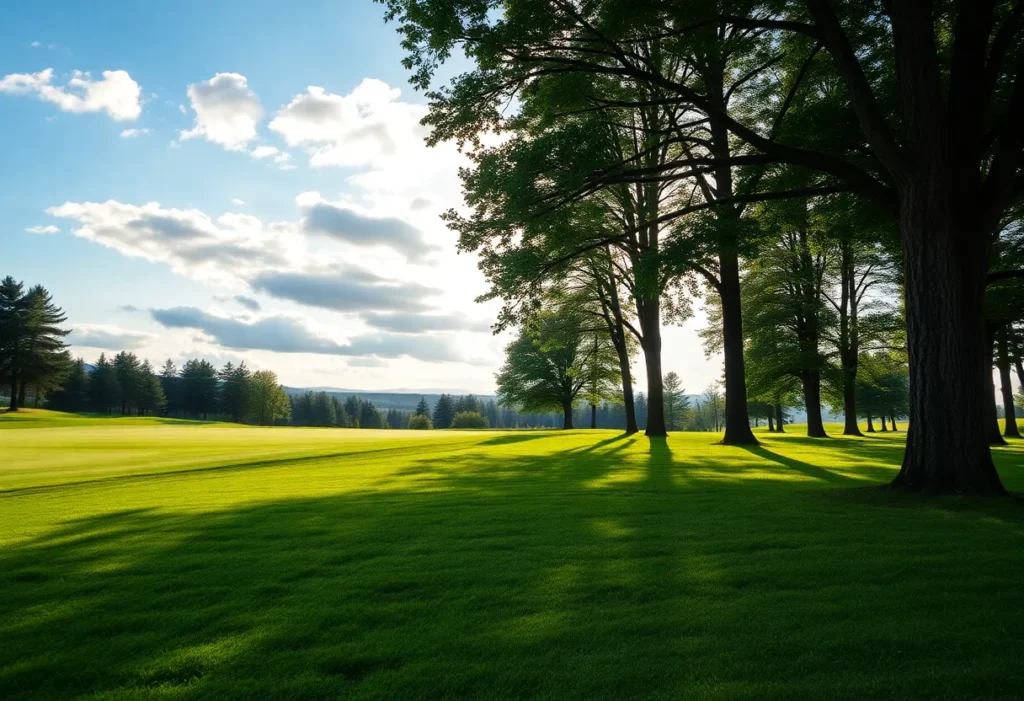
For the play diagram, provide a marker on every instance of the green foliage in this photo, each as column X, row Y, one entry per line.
column 677, row 404
column 555, row 356
column 268, row 402
column 469, row 419
column 419, row 422
column 32, row 350
column 444, row 411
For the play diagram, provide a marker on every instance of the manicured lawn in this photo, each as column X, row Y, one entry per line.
column 145, row 560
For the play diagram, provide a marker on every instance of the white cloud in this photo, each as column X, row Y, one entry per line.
column 49, row 229
column 132, row 133
column 280, row 157
column 282, row 334
column 116, row 93
column 227, row 111
column 107, row 337
column 357, row 129
column 237, row 202
column 221, row 250
column 264, row 152
column 347, row 223
column 35, row 44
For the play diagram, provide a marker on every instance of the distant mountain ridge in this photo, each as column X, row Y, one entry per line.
column 386, row 399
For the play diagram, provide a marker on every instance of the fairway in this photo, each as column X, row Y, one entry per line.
column 146, row 559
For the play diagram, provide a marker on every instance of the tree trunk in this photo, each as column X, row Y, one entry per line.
column 613, row 317
column 778, row 419
column 812, row 399
column 771, row 424
column 22, row 393
column 593, row 416
column 1010, row 415
column 871, row 425
column 737, row 420
column 1020, row 372
column 649, row 315
column 567, row 414
column 850, row 426
column 13, row 406
column 627, row 388
column 892, row 417
column 885, row 426
column 947, row 451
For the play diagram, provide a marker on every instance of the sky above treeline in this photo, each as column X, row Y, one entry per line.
column 245, row 181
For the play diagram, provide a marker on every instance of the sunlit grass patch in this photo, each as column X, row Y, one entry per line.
column 148, row 561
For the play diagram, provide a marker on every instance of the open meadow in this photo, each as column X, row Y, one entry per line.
column 146, row 559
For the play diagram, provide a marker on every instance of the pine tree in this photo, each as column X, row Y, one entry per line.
column 199, row 388
column 74, row 395
column 353, row 410
column 151, row 392
column 170, row 382
column 343, row 421
column 444, row 411
column 129, row 379
column 45, row 361
column 234, row 390
column 12, row 321
column 422, row 409
column 104, row 391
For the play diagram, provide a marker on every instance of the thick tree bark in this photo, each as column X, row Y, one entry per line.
column 771, row 424
column 593, row 416
column 811, row 380
column 950, row 362
column 649, row 315
column 1020, row 372
column 885, row 426
column 892, row 417
column 871, row 425
column 567, row 415
column 779, row 419
column 737, row 419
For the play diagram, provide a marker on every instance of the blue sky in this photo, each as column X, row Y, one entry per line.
column 266, row 151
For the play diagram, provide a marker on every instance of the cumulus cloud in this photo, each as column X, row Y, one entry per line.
column 227, row 111
column 133, row 133
column 237, row 202
column 344, row 290
column 116, row 94
column 247, row 302
column 350, row 130
column 48, row 229
column 349, row 225
column 280, row 157
column 107, row 337
column 283, row 334
column 194, row 244
column 417, row 323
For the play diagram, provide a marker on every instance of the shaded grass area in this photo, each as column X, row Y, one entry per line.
column 513, row 565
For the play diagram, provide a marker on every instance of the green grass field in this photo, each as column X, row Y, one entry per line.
column 142, row 559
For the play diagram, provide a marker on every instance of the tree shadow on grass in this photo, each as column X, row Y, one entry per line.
column 803, row 468
column 522, row 437
column 511, row 575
